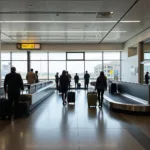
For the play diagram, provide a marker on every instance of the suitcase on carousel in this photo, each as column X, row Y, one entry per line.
column 112, row 88
column 71, row 97
column 4, row 108
column 92, row 98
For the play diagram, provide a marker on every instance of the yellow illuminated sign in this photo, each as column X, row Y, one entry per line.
column 111, row 72
column 28, row 46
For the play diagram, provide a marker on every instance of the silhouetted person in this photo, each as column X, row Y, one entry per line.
column 64, row 86
column 147, row 78
column 12, row 85
column 31, row 77
column 69, row 79
column 86, row 80
column 36, row 77
column 57, row 80
column 76, row 80
column 101, row 86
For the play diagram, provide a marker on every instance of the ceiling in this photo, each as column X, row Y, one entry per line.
column 72, row 21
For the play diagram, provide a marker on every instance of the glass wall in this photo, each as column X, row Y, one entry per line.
column 39, row 62
column 47, row 64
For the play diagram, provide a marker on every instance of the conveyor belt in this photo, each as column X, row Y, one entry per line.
column 121, row 99
column 124, row 104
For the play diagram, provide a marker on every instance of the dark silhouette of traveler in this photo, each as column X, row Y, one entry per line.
column 36, row 77
column 147, row 78
column 13, row 83
column 69, row 78
column 31, row 77
column 86, row 80
column 101, row 86
column 76, row 80
column 64, row 86
column 57, row 80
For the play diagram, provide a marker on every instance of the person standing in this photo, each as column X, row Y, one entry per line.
column 86, row 80
column 31, row 77
column 101, row 86
column 147, row 78
column 64, row 86
column 76, row 80
column 57, row 80
column 36, row 77
column 13, row 83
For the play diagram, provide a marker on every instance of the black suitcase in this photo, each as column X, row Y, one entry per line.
column 71, row 97
column 4, row 108
column 112, row 88
column 23, row 109
column 79, row 85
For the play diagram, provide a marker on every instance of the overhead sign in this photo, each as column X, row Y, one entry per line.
column 23, row 46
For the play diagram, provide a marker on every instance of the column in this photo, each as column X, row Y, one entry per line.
column 0, row 54
column 140, row 50
column 28, row 61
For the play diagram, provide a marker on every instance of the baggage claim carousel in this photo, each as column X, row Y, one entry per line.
column 35, row 94
column 130, row 98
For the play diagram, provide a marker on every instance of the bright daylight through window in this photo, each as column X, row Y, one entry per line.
column 47, row 64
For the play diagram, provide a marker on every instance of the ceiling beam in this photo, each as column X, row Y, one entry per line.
column 119, row 20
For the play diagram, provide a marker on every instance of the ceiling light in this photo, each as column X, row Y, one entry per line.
column 65, row 31
column 134, row 21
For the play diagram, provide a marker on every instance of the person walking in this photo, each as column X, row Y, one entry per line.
column 76, row 80
column 36, row 77
column 57, row 80
column 31, row 77
column 86, row 80
column 101, row 86
column 147, row 78
column 13, row 84
column 64, row 86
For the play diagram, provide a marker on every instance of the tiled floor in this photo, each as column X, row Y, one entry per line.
column 55, row 127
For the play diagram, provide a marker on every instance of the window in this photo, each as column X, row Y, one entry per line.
column 75, row 56
column 38, row 56
column 5, row 56
column 112, row 70
column 19, row 56
column 57, row 56
column 93, row 56
column 93, row 68
column 21, row 67
column 111, row 55
column 74, row 67
column 5, row 68
column 56, row 66
column 146, row 55
column 42, row 68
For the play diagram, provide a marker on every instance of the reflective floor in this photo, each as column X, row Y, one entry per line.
column 55, row 127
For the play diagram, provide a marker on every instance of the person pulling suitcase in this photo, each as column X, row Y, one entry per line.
column 13, row 83
column 64, row 86
column 101, row 86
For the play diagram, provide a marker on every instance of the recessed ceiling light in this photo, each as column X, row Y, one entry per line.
column 66, row 31
column 133, row 21
column 111, row 12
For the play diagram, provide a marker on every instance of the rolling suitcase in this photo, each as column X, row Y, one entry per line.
column 92, row 98
column 4, row 108
column 23, row 109
column 79, row 85
column 71, row 97
column 112, row 88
